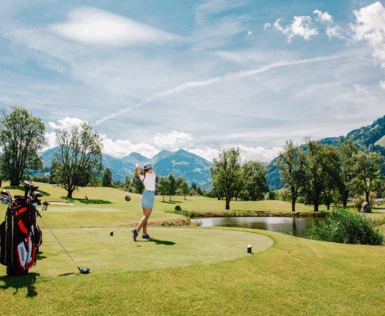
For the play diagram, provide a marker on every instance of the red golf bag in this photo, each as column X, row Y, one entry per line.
column 20, row 236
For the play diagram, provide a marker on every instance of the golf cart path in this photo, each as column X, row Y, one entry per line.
column 172, row 247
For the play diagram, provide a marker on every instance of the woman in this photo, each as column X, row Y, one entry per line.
column 147, row 200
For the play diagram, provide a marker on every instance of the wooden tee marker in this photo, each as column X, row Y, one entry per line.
column 249, row 249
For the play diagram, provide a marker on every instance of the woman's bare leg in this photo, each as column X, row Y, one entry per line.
column 143, row 221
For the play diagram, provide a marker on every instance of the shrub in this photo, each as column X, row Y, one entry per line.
column 345, row 227
column 178, row 208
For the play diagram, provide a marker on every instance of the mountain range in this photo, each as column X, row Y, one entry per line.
column 193, row 168
column 367, row 138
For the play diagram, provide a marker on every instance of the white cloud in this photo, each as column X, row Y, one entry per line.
column 121, row 148
column 360, row 88
column 370, row 27
column 382, row 84
column 94, row 26
column 259, row 153
column 208, row 153
column 335, row 31
column 67, row 122
column 173, row 140
column 249, row 33
column 301, row 26
column 323, row 17
column 266, row 26
column 247, row 153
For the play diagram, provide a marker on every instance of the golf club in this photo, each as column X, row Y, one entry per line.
column 83, row 270
column 127, row 197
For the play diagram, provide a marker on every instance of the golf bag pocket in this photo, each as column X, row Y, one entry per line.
column 26, row 254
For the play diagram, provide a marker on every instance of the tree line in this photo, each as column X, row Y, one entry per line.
column 322, row 174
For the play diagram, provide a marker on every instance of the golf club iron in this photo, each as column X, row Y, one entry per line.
column 83, row 270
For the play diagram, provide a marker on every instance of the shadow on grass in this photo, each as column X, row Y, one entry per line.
column 40, row 256
column 162, row 242
column 18, row 283
column 171, row 202
column 88, row 201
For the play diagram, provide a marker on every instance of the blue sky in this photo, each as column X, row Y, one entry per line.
column 198, row 75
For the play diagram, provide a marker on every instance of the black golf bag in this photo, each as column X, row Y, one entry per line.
column 20, row 236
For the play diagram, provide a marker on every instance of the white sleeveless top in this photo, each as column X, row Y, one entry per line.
column 149, row 182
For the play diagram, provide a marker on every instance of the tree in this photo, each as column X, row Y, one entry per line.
column 107, row 178
column 163, row 186
column 367, row 169
column 137, row 185
column 315, row 184
column 179, row 181
column 254, row 179
column 345, row 185
column 184, row 188
column 78, row 155
column 226, row 173
column 21, row 138
column 172, row 185
column 292, row 167
column 331, row 173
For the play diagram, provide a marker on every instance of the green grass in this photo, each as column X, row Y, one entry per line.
column 188, row 270
column 294, row 277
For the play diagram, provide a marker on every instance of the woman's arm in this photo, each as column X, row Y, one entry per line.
column 138, row 168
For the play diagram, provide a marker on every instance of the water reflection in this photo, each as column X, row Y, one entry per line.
column 287, row 225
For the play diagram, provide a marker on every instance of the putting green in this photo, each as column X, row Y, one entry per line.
column 172, row 247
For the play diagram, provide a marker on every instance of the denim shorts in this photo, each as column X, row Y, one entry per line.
column 147, row 199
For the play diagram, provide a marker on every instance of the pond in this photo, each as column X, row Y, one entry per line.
column 287, row 225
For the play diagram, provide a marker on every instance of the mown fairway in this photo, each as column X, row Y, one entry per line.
column 188, row 270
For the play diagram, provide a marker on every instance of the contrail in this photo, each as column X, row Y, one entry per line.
column 230, row 76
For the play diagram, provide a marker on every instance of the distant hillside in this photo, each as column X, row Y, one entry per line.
column 368, row 138
column 187, row 165
column 193, row 168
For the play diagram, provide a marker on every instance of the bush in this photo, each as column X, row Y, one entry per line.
column 345, row 227
column 178, row 208
column 271, row 195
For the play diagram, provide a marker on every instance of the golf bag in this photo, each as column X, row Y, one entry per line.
column 20, row 236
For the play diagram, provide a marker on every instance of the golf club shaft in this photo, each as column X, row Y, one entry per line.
column 132, row 180
column 59, row 241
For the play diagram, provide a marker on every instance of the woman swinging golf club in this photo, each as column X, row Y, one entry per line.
column 147, row 200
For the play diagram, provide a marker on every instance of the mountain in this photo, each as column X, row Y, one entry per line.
column 135, row 158
column 182, row 163
column 161, row 155
column 119, row 168
column 368, row 138
column 193, row 168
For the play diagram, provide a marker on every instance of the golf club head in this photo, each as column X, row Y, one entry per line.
column 84, row 270
column 127, row 198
